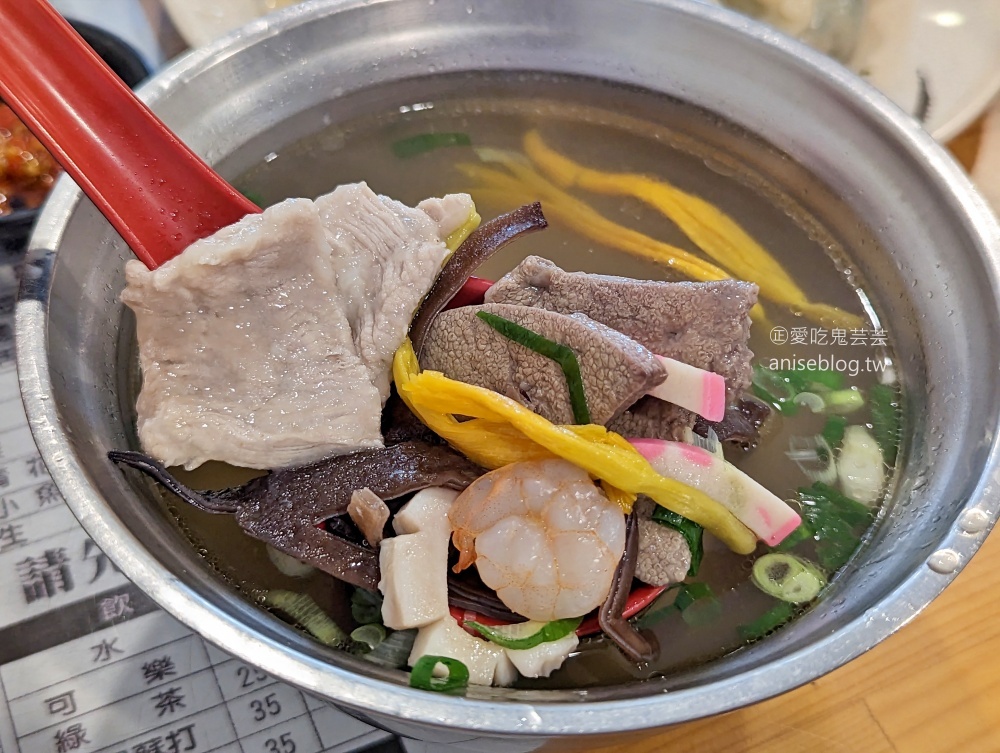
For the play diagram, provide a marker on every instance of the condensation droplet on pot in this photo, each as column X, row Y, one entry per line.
column 944, row 561
column 974, row 520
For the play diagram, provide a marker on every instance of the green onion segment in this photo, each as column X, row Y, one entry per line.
column 836, row 522
column 787, row 577
column 371, row 635
column 422, row 674
column 833, row 431
column 428, row 142
column 559, row 353
column 524, row 635
column 768, row 622
column 307, row 613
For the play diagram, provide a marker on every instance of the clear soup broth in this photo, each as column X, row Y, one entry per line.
column 618, row 130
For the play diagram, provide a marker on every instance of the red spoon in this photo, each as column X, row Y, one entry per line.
column 157, row 193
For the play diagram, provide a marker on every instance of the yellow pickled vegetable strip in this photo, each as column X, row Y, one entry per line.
column 584, row 219
column 458, row 236
column 581, row 217
column 491, row 444
column 708, row 227
column 621, row 498
column 434, row 398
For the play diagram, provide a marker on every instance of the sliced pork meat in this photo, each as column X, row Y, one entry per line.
column 385, row 257
column 615, row 369
column 268, row 344
column 704, row 324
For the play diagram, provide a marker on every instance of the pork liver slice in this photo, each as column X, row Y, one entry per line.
column 704, row 324
column 615, row 370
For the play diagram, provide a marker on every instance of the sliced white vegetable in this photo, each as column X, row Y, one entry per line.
column 768, row 516
column 287, row 564
column 844, row 401
column 505, row 674
column 545, row 658
column 414, row 564
column 860, row 466
column 426, row 511
column 703, row 392
column 446, row 638
column 414, row 580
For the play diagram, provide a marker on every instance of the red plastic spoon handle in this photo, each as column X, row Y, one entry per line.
column 157, row 193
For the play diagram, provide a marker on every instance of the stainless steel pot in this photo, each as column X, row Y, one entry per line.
column 920, row 235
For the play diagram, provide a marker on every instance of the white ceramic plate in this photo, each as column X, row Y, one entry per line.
column 948, row 49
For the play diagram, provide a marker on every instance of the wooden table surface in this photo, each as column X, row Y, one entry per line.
column 933, row 687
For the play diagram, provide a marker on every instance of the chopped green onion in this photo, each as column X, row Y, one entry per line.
column 697, row 604
column 371, row 635
column 787, row 577
column 803, row 533
column 689, row 593
column 524, row 635
column 307, row 613
column 659, row 609
column 814, row 457
column 366, row 606
column 844, row 401
column 428, row 142
column 810, row 400
column 852, row 511
column 837, row 522
column 771, row 387
column 806, row 379
column 422, row 674
column 691, row 531
column 559, row 353
column 394, row 651
column 768, row 622
column 255, row 197
column 833, row 431
column 788, row 389
column 885, row 420
column 703, row 612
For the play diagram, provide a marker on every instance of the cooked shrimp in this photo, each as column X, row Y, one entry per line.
column 542, row 535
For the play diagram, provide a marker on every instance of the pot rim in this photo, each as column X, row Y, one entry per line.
column 512, row 717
